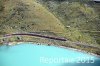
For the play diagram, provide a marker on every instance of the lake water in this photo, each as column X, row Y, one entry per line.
column 27, row 54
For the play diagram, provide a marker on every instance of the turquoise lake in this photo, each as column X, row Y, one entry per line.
column 28, row 54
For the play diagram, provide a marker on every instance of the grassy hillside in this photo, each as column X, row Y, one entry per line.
column 62, row 18
column 28, row 16
column 31, row 16
column 79, row 17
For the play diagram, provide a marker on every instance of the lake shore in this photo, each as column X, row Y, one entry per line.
column 64, row 47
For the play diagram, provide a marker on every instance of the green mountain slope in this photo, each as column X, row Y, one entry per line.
column 79, row 17
column 28, row 16
column 61, row 18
